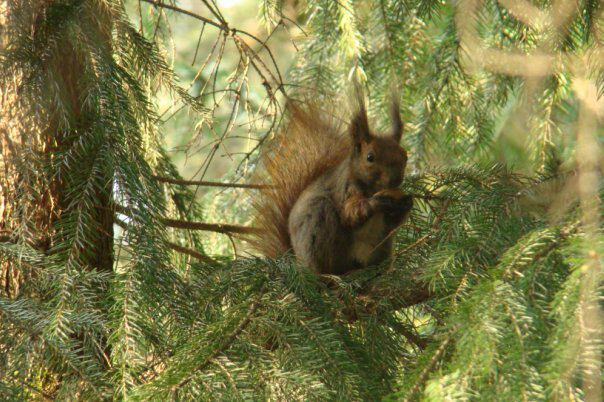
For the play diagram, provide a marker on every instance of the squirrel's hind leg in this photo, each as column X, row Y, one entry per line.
column 314, row 229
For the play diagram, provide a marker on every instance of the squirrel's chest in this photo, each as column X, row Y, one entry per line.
column 367, row 238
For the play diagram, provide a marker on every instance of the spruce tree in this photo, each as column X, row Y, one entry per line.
column 110, row 289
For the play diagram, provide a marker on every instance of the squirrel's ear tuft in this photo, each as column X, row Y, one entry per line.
column 359, row 127
column 397, row 123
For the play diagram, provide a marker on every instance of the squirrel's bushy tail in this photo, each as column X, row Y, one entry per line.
column 312, row 143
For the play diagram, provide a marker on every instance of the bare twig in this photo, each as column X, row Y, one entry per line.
column 211, row 227
column 189, row 251
column 181, row 224
column 186, row 12
column 176, row 247
column 205, row 183
column 223, row 25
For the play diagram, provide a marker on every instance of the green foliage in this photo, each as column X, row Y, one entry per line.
column 485, row 296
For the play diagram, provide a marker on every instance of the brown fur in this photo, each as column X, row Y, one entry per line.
column 356, row 209
column 334, row 199
column 312, row 143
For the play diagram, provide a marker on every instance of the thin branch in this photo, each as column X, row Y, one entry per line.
column 180, row 224
column 176, row 247
column 223, row 26
column 189, row 13
column 189, row 251
column 429, row 367
column 412, row 336
column 211, row 227
column 203, row 27
column 170, row 180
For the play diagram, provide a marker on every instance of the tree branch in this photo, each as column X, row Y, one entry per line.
column 211, row 227
column 228, row 340
column 181, row 182
column 222, row 27
column 426, row 371
column 176, row 247
column 189, row 251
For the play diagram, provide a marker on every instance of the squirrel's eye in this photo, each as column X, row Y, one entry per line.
column 370, row 157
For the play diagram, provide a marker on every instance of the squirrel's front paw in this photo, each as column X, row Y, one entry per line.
column 383, row 202
column 392, row 193
column 393, row 200
column 406, row 203
column 389, row 199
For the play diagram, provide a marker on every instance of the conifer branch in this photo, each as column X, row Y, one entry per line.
column 433, row 230
column 211, row 227
column 163, row 179
column 42, row 393
column 176, row 247
column 427, row 369
column 414, row 338
column 189, row 251
column 228, row 341
column 180, row 10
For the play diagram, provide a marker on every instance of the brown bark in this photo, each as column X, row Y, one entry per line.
column 70, row 71
column 31, row 208
column 9, row 277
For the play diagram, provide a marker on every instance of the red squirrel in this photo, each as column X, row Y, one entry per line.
column 334, row 198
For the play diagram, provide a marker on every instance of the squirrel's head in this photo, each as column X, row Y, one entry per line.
column 377, row 161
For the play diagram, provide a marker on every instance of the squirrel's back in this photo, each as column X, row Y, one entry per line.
column 312, row 143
